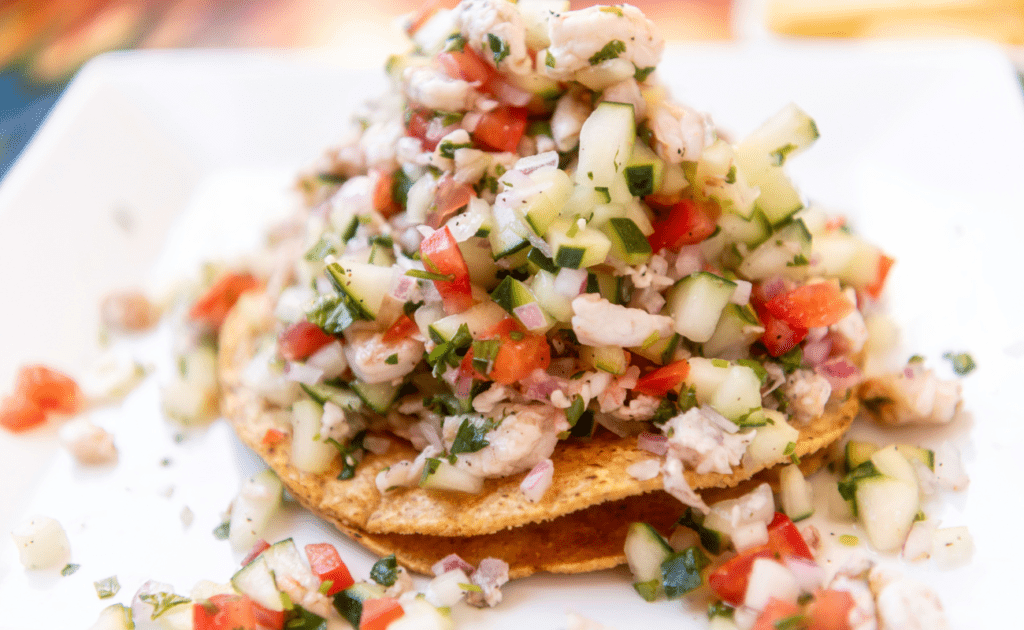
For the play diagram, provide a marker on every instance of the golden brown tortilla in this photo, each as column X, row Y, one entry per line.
column 591, row 489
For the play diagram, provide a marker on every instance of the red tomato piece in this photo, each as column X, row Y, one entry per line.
column 520, row 352
column 452, row 196
column 379, row 612
column 688, row 222
column 660, row 381
column 830, row 610
column 258, row 547
column 18, row 413
column 212, row 307
column 272, row 437
column 326, row 563
column 465, row 64
column 417, row 125
column 268, row 619
column 383, row 200
column 773, row 612
column 300, row 340
column 729, row 581
column 810, row 306
column 440, row 253
column 501, row 128
column 403, row 327
column 224, row 612
column 779, row 337
column 885, row 263
column 49, row 389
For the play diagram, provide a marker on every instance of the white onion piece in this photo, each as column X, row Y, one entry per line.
column 376, row 444
column 741, row 294
column 656, row 443
column 816, row 334
column 451, row 562
column 537, row 162
column 303, row 373
column 918, row 545
column 952, row 547
column 404, row 288
column 748, row 535
column 621, row 428
column 644, row 470
column 471, row 120
column 531, row 316
column 538, row 480
column 809, row 575
column 570, row 282
column 425, row 230
column 949, row 470
column 330, row 360
column 770, row 579
column 510, row 94
column 41, row 542
column 689, row 261
column 446, row 588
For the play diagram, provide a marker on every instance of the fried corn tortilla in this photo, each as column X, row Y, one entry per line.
column 578, row 525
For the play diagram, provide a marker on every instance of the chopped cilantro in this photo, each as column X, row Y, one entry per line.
column 963, row 363
column 709, row 538
column 720, row 363
column 392, row 359
column 720, row 609
column 515, row 335
column 575, row 410
column 222, row 531
column 616, row 10
column 385, row 571
column 680, row 572
column 794, row 622
column 849, row 540
column 333, row 313
column 499, row 47
column 351, row 454
column 549, row 60
column 447, row 148
column 666, row 411
column 321, row 250
column 611, row 50
column 730, row 177
column 301, row 619
column 162, row 602
column 798, row 261
column 484, row 353
column 790, row 452
column 107, row 587
column 762, row 374
column 69, row 569
column 641, row 74
column 792, row 360
column 471, row 437
column 429, row 275
column 450, row 353
column 455, row 43
column 779, row 155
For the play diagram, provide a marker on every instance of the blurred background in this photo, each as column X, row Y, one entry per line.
column 43, row 42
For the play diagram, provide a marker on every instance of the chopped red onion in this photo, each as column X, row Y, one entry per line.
column 949, row 469
column 451, row 562
column 539, row 385
column 718, row 419
column 404, row 288
column 689, row 261
column 816, row 352
column 463, row 385
column 772, row 287
column 510, row 94
column 570, row 282
column 425, row 230
column 817, row 333
column 430, row 433
column 840, row 373
column 538, row 480
column 302, row 373
column 376, row 444
column 530, row 315
column 471, row 120
column 809, row 575
column 653, row 442
column 741, row 294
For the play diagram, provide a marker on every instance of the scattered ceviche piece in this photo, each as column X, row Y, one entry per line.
column 39, row 392
column 42, row 542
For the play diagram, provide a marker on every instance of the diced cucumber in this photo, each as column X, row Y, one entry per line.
column 483, row 272
column 705, row 376
column 542, row 208
column 511, row 293
column 609, row 286
column 575, row 247
column 438, row 474
column 858, row 452
column 378, row 396
column 554, row 303
column 660, row 351
column 381, row 254
column 887, row 508
column 611, row 359
column 478, row 319
column 510, row 233
column 583, row 200
column 421, row 615
column 721, row 180
column 786, row 252
column 475, row 221
column 696, row 303
column 256, row 581
column 258, row 499
column 645, row 551
column 322, row 393
column 640, row 214
column 795, row 493
column 604, row 212
column 891, row 463
column 349, row 602
column 737, row 328
column 606, row 144
column 772, row 440
column 628, row 243
column 284, row 560
column 923, row 455
column 738, row 394
column 713, row 540
column 644, row 171
column 309, row 452
column 847, row 257
column 366, row 284
column 114, row 617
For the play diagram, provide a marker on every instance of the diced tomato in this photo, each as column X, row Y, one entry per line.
column 19, row 413
column 501, row 128
column 301, row 339
column 272, row 437
column 383, row 200
column 258, row 547
column 774, row 612
column 829, row 610
column 268, row 619
column 417, row 126
column 327, row 565
column 403, row 327
column 885, row 263
column 452, row 196
column 811, row 305
column 520, row 352
column 224, row 612
column 213, row 306
column 660, row 381
column 729, row 581
column 779, row 337
column 379, row 612
column 688, row 222
column 467, row 66
column 49, row 389
column 440, row 253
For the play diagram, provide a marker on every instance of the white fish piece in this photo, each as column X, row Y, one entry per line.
column 368, row 356
column 580, row 38
column 598, row 322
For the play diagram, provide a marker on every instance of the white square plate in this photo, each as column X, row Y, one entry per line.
column 153, row 162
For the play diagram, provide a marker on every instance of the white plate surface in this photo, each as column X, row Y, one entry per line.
column 153, row 162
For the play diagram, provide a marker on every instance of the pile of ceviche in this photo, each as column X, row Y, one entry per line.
column 535, row 315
